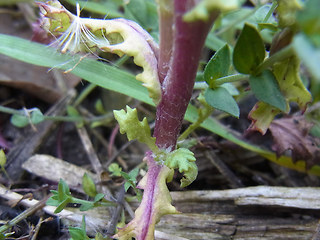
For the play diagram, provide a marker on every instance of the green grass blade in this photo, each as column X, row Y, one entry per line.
column 101, row 74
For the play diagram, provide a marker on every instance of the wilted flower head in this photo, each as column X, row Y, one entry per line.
column 70, row 32
column 119, row 36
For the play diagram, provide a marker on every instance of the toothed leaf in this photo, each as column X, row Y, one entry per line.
column 119, row 36
column 156, row 202
column 135, row 129
column 183, row 159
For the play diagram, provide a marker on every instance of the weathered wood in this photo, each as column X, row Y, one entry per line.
column 253, row 213
column 221, row 215
column 55, row 169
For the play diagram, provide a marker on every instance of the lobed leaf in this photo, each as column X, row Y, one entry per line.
column 156, row 202
column 135, row 129
column 115, row 169
column 183, row 159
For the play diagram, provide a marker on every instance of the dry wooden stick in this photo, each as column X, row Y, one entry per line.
column 303, row 198
column 234, row 181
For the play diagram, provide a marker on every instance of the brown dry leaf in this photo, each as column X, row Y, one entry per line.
column 292, row 134
column 26, row 77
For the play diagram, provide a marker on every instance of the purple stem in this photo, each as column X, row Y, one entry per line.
column 148, row 199
column 188, row 40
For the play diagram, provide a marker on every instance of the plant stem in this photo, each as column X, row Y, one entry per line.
column 284, row 53
column 230, row 78
column 200, row 85
column 203, row 115
column 64, row 118
column 272, row 8
column 188, row 40
column 166, row 37
column 84, row 94
column 10, row 111
column 23, row 216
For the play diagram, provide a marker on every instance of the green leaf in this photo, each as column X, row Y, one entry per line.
column 79, row 233
column 86, row 206
column 98, row 197
column 98, row 73
column 36, row 116
column 221, row 99
column 3, row 158
column 143, row 12
column 134, row 173
column 63, row 189
column 249, row 50
column 230, row 88
column 99, row 107
column 27, row 116
column 309, row 54
column 287, row 73
column 20, row 120
column 309, row 21
column 183, row 159
column 61, row 197
column 115, row 169
column 218, row 66
column 127, row 185
column 131, row 178
column 62, row 205
column 266, row 88
column 213, row 42
column 89, row 186
column 135, row 129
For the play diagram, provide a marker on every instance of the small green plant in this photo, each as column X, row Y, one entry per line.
column 80, row 233
column 130, row 178
column 62, row 197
